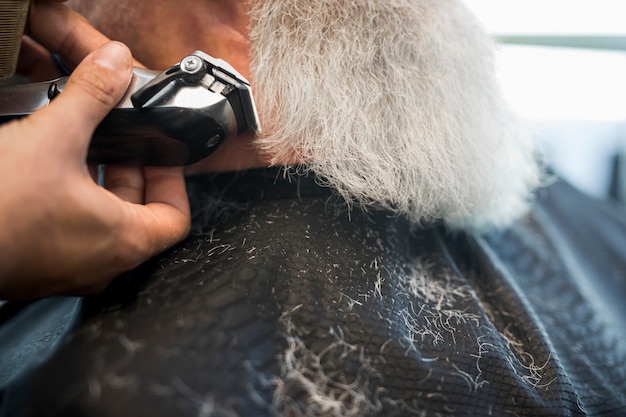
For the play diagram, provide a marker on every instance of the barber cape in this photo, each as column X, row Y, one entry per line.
column 282, row 302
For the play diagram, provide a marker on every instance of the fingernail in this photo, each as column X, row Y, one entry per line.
column 113, row 55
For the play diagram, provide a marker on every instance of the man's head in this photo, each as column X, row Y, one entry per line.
column 391, row 102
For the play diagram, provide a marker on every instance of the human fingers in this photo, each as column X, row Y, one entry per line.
column 63, row 31
column 125, row 182
column 143, row 231
column 35, row 62
column 166, row 185
column 94, row 88
column 165, row 218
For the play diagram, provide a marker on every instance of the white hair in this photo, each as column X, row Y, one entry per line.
column 393, row 103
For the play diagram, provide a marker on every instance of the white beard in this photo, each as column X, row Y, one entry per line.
column 394, row 103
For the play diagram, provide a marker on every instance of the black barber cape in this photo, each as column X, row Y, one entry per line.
column 283, row 303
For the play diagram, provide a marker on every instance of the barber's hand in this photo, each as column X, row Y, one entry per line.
column 59, row 231
column 53, row 27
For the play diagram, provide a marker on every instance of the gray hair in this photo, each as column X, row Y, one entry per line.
column 394, row 103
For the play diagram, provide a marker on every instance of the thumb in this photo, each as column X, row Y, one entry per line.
column 93, row 89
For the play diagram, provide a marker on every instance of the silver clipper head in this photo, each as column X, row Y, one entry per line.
column 174, row 117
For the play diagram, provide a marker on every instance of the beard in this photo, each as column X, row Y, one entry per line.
column 393, row 103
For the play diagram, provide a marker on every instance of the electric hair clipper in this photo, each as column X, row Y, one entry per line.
column 175, row 117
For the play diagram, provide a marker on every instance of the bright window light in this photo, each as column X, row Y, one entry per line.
column 584, row 17
column 564, row 83
column 573, row 98
column 552, row 83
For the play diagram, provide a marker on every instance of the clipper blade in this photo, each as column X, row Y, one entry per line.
column 13, row 15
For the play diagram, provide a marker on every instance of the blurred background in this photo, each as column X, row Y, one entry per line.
column 562, row 66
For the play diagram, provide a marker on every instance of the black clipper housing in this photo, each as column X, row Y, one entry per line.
column 175, row 117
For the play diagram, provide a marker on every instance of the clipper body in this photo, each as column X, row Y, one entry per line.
column 175, row 117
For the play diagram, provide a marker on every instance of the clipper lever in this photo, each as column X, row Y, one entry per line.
column 175, row 117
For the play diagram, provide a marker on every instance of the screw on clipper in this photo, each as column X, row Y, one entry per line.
column 193, row 68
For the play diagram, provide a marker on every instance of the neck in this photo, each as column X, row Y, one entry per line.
column 160, row 32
